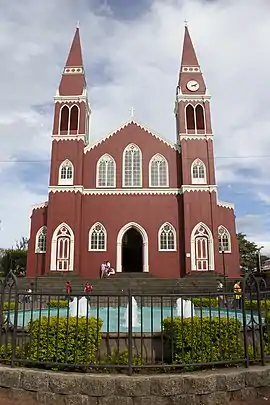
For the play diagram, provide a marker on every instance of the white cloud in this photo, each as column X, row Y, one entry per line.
column 139, row 61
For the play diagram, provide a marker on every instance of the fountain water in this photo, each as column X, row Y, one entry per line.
column 184, row 308
column 135, row 321
column 80, row 309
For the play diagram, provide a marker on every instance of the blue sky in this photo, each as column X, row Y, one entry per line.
column 132, row 55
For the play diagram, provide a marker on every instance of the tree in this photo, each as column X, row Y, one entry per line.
column 15, row 259
column 22, row 244
column 248, row 252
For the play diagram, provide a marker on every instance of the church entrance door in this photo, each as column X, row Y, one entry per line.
column 132, row 251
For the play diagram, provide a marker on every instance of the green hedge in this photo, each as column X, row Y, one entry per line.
column 58, row 304
column 8, row 306
column 204, row 302
column 203, row 340
column 64, row 340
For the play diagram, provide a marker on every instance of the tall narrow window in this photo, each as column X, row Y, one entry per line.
column 190, row 117
column 41, row 240
column 106, row 172
column 199, row 112
column 132, row 167
column 64, row 118
column 167, row 237
column 202, row 248
column 224, row 239
column 62, row 249
column 198, row 172
column 66, row 173
column 98, row 238
column 158, row 171
column 74, row 118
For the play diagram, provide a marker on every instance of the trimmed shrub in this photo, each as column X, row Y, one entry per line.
column 8, row 306
column 205, row 302
column 121, row 358
column 64, row 340
column 203, row 340
column 58, row 304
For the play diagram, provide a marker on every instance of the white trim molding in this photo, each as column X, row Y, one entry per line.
column 58, row 138
column 195, row 137
column 225, row 205
column 53, row 266
column 207, row 234
column 39, row 206
column 200, row 187
column 115, row 191
column 132, row 121
column 120, row 235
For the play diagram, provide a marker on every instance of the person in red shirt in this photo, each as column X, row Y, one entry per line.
column 88, row 288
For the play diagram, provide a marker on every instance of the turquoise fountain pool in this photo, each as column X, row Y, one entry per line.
column 114, row 319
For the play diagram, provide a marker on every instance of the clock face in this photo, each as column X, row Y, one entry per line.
column 192, row 85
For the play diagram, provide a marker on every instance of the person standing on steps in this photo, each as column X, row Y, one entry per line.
column 110, row 270
column 103, row 270
column 68, row 290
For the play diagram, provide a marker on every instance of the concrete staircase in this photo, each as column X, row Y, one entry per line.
column 139, row 283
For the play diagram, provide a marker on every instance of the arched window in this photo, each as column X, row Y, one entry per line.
column 190, row 117
column 132, row 166
column 41, row 240
column 202, row 248
column 198, row 172
column 106, row 172
column 74, row 118
column 224, row 239
column 64, row 118
column 199, row 112
column 167, row 237
column 158, row 171
column 62, row 251
column 98, row 238
column 66, row 173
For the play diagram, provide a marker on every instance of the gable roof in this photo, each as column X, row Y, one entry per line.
column 132, row 121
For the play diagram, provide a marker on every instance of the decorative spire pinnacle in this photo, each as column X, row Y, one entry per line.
column 73, row 80
column 189, row 57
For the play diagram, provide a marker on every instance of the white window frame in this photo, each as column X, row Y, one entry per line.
column 42, row 232
column 66, row 182
column 227, row 233
column 108, row 157
column 195, row 118
column 69, row 114
column 124, row 167
column 157, row 157
column 199, row 180
column 90, row 238
column 174, row 236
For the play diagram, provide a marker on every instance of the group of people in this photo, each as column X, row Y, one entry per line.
column 88, row 288
column 106, row 270
column 237, row 295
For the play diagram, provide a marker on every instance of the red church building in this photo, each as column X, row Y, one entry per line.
column 133, row 198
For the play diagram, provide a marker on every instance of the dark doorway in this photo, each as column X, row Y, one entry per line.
column 132, row 251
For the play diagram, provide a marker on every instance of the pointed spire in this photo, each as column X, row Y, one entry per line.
column 190, row 68
column 73, row 80
column 75, row 53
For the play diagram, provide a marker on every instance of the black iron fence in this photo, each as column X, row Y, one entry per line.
column 132, row 332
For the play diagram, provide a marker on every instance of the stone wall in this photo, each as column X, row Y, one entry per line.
column 204, row 388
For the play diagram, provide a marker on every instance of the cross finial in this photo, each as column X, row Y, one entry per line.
column 132, row 111
column 78, row 24
column 186, row 23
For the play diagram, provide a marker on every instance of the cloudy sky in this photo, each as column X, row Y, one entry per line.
column 132, row 54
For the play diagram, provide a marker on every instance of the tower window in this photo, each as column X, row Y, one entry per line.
column 66, row 173
column 199, row 111
column 190, row 117
column 64, row 118
column 74, row 116
column 158, row 171
column 198, row 172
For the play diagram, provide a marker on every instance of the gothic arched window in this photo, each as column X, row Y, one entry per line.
column 166, row 237
column 66, row 173
column 190, row 117
column 74, row 118
column 62, row 250
column 198, row 172
column 158, row 171
column 132, row 166
column 224, row 239
column 41, row 240
column 106, row 172
column 64, row 118
column 98, row 238
column 199, row 112
column 202, row 248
